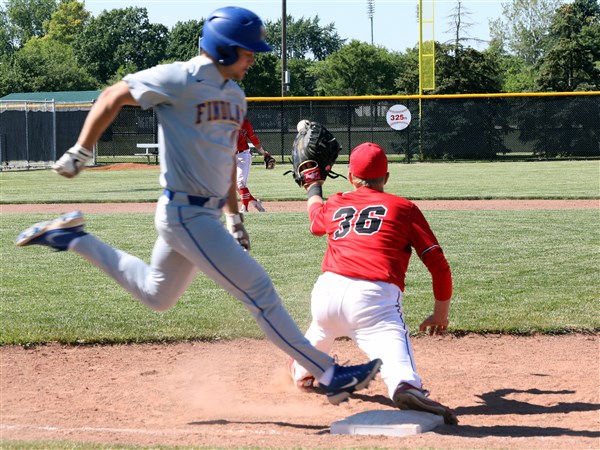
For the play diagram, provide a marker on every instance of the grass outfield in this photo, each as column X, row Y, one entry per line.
column 517, row 180
column 514, row 272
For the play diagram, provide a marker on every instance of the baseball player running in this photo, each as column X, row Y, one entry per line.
column 200, row 110
column 244, row 161
column 359, row 294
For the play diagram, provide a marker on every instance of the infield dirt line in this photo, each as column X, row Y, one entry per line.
column 141, row 431
column 300, row 206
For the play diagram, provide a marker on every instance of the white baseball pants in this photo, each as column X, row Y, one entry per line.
column 193, row 239
column 244, row 161
column 368, row 312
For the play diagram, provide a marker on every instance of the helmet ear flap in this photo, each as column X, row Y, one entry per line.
column 227, row 55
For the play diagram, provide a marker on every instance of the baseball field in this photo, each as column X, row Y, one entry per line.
column 84, row 365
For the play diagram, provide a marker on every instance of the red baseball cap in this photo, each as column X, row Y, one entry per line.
column 368, row 161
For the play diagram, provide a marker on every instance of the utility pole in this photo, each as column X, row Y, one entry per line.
column 285, row 76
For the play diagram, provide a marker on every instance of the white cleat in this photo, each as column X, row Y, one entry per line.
column 258, row 205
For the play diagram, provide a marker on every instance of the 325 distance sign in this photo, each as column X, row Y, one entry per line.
column 398, row 117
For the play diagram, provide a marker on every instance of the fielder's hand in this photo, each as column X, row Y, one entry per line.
column 269, row 160
column 434, row 326
column 235, row 226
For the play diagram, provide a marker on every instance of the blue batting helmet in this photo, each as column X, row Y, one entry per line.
column 230, row 27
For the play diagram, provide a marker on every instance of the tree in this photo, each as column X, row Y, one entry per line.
column 9, row 79
column 458, row 70
column 568, row 127
column 264, row 77
column 357, row 68
column 305, row 38
column 67, row 21
column 573, row 61
column 460, row 23
column 261, row 80
column 28, row 18
column 515, row 75
column 45, row 64
column 303, row 81
column 524, row 27
column 407, row 82
column 306, row 41
column 520, row 39
column 467, row 71
column 465, row 128
column 458, row 129
column 6, row 39
column 183, row 40
column 120, row 38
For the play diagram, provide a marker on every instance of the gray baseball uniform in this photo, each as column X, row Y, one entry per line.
column 200, row 114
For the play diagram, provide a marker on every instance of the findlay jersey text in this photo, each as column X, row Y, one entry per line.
column 218, row 110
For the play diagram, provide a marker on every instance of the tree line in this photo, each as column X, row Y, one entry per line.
column 537, row 46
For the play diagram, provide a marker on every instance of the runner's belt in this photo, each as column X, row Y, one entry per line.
column 209, row 202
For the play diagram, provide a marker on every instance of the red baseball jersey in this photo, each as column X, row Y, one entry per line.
column 247, row 132
column 371, row 235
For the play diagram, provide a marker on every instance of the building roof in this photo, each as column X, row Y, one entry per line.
column 58, row 97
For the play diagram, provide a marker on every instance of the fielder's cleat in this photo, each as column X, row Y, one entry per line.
column 243, row 209
column 347, row 379
column 306, row 382
column 407, row 396
column 258, row 205
column 57, row 233
column 73, row 161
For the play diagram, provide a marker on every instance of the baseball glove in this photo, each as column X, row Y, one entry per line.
column 269, row 161
column 314, row 152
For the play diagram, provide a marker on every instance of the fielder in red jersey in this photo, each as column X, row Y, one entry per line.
column 371, row 236
column 244, row 161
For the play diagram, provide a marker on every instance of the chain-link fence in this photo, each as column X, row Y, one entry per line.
column 451, row 127
column 35, row 133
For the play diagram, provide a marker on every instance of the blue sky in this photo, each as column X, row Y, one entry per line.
column 394, row 22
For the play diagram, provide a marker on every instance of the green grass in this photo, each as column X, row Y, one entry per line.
column 514, row 272
column 482, row 180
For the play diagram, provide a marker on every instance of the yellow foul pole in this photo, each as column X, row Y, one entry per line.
column 426, row 55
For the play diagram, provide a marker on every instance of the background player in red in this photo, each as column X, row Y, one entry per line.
column 244, row 161
column 371, row 235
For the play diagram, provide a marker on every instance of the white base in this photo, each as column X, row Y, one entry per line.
column 387, row 423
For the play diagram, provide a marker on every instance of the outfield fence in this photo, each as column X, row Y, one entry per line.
column 410, row 128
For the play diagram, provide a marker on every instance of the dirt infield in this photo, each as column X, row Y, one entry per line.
column 509, row 392
column 539, row 392
column 58, row 208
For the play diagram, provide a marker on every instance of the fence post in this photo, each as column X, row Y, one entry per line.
column 54, row 135
column 349, row 122
column 27, row 134
column 281, row 126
